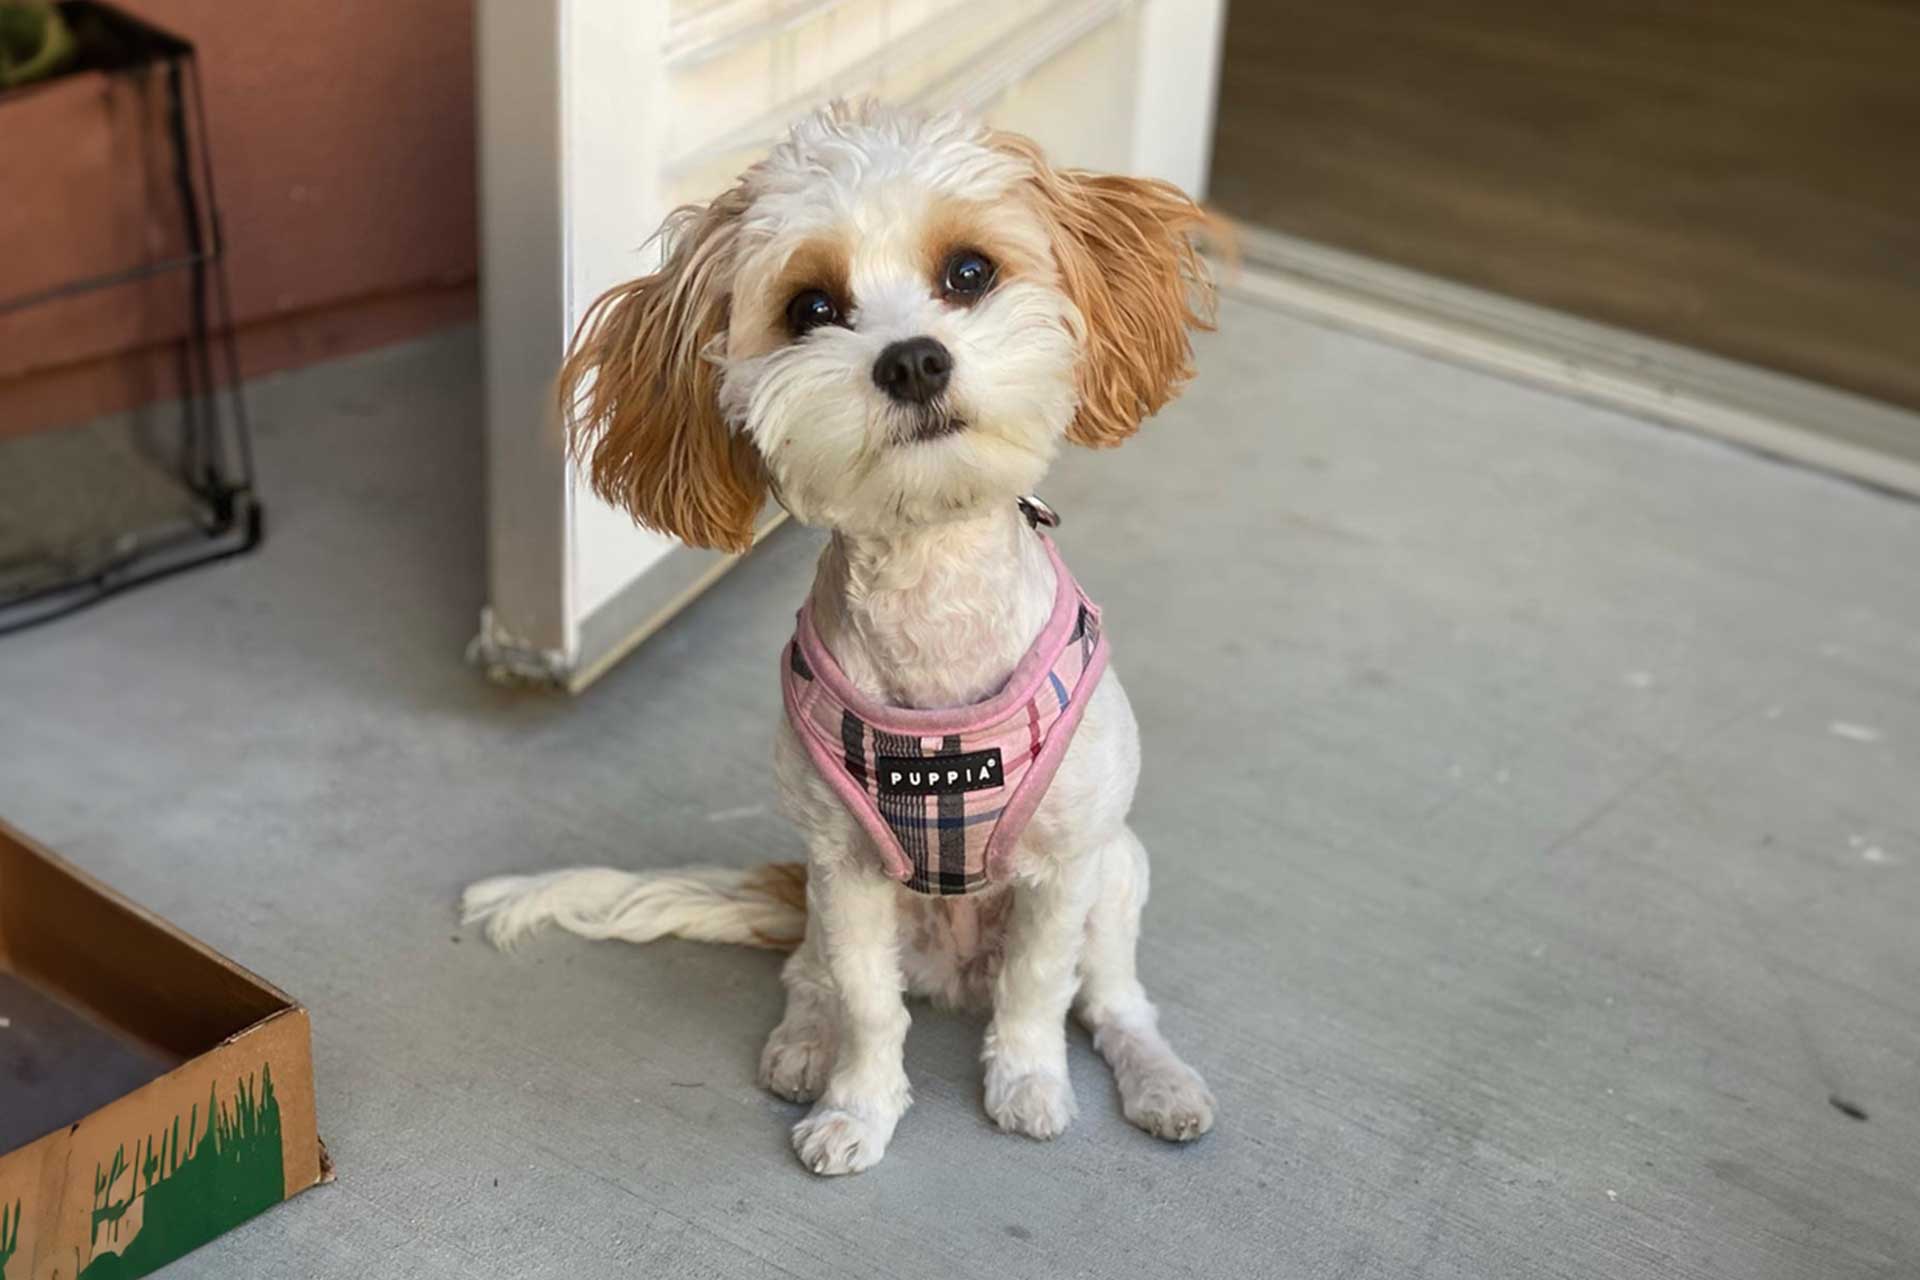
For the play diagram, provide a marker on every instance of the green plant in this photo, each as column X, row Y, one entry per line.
column 34, row 41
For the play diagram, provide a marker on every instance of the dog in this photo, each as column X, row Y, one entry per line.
column 891, row 324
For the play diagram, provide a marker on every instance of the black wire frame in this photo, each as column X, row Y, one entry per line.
column 216, row 465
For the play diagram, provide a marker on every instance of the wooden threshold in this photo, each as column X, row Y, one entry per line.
column 1772, row 413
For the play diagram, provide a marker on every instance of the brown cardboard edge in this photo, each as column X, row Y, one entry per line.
column 304, row 1160
column 34, row 849
column 284, row 1033
column 285, row 1036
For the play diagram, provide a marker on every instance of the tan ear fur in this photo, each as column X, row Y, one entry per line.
column 1127, row 257
column 641, row 399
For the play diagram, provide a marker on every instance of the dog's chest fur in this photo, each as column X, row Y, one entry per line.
column 937, row 618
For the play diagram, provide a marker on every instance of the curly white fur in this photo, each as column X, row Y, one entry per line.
column 703, row 904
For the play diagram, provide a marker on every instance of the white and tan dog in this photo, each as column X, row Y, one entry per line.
column 892, row 323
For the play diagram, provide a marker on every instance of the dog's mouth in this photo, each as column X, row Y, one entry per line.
column 929, row 424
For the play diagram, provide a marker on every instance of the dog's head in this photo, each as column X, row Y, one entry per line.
column 893, row 320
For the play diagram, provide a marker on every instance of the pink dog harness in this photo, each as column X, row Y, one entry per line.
column 945, row 794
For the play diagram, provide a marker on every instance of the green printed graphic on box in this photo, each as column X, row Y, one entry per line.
column 9, row 1235
column 176, row 1194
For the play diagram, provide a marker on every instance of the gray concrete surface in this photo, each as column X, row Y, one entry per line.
column 1532, row 791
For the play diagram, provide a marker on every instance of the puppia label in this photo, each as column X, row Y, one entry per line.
column 939, row 775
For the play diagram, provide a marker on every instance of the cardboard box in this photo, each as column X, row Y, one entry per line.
column 153, row 1094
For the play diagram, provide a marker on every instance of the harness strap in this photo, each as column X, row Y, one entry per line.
column 945, row 794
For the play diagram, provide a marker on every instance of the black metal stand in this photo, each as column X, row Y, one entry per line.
column 216, row 456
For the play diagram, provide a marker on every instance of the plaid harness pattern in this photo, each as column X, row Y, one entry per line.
column 946, row 794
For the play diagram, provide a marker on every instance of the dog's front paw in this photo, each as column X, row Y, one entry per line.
column 1170, row 1102
column 795, row 1062
column 1038, row 1104
column 834, row 1140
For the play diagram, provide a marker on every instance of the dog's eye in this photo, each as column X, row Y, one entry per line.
column 968, row 275
column 809, row 309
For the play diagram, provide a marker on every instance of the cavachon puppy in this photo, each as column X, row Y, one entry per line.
column 891, row 324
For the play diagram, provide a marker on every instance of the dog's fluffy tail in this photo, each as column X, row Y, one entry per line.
column 763, row 906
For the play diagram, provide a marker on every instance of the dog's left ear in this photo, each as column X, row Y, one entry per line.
column 1127, row 254
column 639, row 390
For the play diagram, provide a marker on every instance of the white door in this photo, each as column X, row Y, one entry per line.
column 598, row 116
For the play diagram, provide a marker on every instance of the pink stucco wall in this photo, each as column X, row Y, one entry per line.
column 342, row 134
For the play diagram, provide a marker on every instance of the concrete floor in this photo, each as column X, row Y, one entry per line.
column 1533, row 792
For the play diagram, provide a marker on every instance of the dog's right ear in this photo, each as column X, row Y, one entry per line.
column 1129, row 258
column 640, row 395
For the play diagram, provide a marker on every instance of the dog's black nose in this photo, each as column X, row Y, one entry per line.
column 914, row 371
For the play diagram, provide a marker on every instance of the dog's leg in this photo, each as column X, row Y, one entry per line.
column 856, row 913
column 1158, row 1092
column 800, row 1051
column 1026, row 1049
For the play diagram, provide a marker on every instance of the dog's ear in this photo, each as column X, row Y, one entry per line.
column 640, row 394
column 1127, row 254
